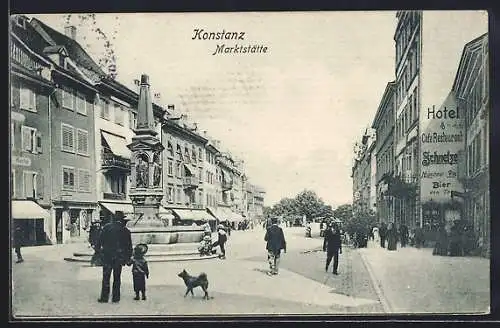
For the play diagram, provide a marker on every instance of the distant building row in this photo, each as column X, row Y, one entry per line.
column 70, row 127
column 424, row 164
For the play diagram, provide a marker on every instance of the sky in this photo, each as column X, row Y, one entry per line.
column 292, row 114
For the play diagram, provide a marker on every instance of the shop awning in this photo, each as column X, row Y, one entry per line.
column 195, row 215
column 126, row 208
column 27, row 209
column 237, row 217
column 118, row 145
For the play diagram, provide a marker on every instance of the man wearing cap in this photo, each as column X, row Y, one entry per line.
column 115, row 245
column 275, row 243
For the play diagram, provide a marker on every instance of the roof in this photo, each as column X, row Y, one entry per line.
column 388, row 92
column 470, row 49
column 75, row 51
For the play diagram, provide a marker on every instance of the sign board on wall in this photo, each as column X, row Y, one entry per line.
column 442, row 137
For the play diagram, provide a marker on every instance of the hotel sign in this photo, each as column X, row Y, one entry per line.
column 21, row 161
column 442, row 137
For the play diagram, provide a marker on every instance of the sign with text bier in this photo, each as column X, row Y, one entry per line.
column 442, row 137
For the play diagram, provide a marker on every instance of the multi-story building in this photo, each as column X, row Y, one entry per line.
column 184, row 170
column 361, row 172
column 383, row 124
column 30, row 89
column 427, row 47
column 255, row 203
column 471, row 88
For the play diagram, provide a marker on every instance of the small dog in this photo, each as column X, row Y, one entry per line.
column 193, row 282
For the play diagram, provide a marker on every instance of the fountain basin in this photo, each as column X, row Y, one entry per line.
column 166, row 235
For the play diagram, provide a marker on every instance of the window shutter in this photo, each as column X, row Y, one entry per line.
column 24, row 101
column 68, row 141
column 82, row 142
column 39, row 142
column 32, row 99
column 26, row 139
column 39, row 186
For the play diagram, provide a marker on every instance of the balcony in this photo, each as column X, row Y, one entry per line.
column 111, row 161
column 227, row 185
column 190, row 182
column 114, row 196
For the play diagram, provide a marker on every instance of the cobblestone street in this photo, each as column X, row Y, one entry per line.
column 408, row 280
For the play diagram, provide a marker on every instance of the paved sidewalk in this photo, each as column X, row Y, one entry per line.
column 414, row 281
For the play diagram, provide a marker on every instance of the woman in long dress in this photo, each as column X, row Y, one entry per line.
column 392, row 237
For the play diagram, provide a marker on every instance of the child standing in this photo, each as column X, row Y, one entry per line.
column 140, row 270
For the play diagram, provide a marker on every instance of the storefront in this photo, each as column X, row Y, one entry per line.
column 33, row 220
column 72, row 220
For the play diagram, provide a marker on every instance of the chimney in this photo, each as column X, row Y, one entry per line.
column 70, row 31
column 205, row 133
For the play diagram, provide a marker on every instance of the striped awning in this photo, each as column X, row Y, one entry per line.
column 118, row 145
column 126, row 208
column 188, row 214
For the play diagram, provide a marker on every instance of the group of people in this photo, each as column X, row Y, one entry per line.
column 207, row 247
column 113, row 245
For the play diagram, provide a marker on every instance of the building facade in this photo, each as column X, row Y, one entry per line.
column 30, row 90
column 362, row 173
column 471, row 88
column 383, row 124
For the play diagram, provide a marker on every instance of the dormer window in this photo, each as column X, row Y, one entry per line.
column 21, row 21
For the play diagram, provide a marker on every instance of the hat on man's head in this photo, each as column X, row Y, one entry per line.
column 119, row 215
column 274, row 220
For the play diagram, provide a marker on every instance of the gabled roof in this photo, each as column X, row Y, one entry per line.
column 75, row 51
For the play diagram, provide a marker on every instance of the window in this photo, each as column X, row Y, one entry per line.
column 104, row 109
column 13, row 184
column 178, row 195
column 469, row 160
column 132, row 120
column 200, row 174
column 12, row 95
column 200, row 155
column 178, row 170
column 31, row 140
column 67, row 98
column 179, row 152
column 193, row 155
column 186, row 154
column 27, row 98
column 30, row 184
column 200, row 198
column 170, row 168
column 82, row 142
column 415, row 103
column 68, row 178
column 477, row 157
column 67, row 138
column 170, row 194
column 118, row 114
column 410, row 110
column 81, row 104
column 83, row 180
column 170, row 149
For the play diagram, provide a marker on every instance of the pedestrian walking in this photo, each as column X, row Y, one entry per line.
column 332, row 245
column 221, row 240
column 115, row 246
column 94, row 232
column 383, row 234
column 18, row 240
column 404, row 234
column 392, row 237
column 140, row 270
column 275, row 239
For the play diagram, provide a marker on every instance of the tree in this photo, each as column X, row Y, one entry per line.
column 104, row 50
column 343, row 213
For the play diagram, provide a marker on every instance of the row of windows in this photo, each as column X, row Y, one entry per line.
column 74, row 100
column 32, row 185
column 75, row 179
column 477, row 156
column 188, row 155
column 385, row 162
column 404, row 37
column 176, row 194
column 476, row 97
column 70, row 143
column 408, row 116
column 115, row 112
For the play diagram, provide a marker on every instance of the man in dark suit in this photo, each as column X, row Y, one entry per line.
column 18, row 242
column 115, row 247
column 332, row 245
column 275, row 243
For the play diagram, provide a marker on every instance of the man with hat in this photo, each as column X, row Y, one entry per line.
column 332, row 245
column 275, row 243
column 115, row 246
